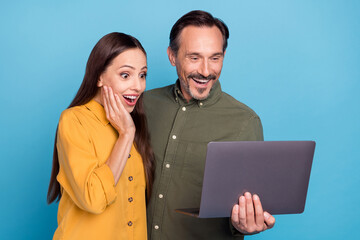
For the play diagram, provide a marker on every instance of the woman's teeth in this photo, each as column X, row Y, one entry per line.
column 130, row 98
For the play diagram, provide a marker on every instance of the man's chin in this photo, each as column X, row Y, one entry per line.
column 200, row 95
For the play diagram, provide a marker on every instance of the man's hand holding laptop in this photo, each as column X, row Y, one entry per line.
column 248, row 216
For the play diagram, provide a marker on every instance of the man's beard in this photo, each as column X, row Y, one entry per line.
column 186, row 87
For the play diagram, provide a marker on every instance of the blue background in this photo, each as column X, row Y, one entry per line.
column 296, row 63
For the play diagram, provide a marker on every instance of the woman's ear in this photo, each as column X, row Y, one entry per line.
column 100, row 82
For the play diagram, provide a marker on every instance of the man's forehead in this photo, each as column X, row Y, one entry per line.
column 194, row 38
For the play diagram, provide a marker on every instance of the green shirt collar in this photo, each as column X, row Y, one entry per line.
column 213, row 97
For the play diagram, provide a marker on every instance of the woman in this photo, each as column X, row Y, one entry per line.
column 103, row 163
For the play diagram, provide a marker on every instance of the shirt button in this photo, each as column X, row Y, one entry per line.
column 167, row 165
column 131, row 178
column 156, row 227
column 201, row 104
column 130, row 199
column 130, row 223
column 161, row 196
column 174, row 137
column 184, row 109
column 129, row 155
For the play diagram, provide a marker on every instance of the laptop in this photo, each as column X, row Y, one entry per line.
column 278, row 171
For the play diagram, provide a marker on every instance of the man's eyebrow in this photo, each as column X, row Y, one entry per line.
column 193, row 54
column 198, row 54
column 218, row 54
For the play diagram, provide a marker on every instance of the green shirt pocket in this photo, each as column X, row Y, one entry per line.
column 194, row 163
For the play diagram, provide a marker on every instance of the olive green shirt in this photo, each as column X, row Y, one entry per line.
column 180, row 132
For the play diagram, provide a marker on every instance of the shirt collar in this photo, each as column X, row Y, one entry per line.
column 213, row 97
column 98, row 110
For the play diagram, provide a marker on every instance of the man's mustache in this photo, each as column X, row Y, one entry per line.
column 201, row 77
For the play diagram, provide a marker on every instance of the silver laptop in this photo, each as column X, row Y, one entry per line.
column 278, row 171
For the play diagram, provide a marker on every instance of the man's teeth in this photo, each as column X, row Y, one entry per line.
column 201, row 81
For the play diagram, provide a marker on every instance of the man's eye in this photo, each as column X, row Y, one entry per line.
column 124, row 75
column 194, row 58
column 215, row 58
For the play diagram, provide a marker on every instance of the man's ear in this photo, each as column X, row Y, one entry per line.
column 171, row 56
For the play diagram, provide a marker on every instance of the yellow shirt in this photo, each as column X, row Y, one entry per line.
column 92, row 206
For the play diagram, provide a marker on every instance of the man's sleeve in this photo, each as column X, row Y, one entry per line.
column 252, row 130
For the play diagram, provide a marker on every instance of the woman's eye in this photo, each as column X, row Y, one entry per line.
column 143, row 75
column 124, row 75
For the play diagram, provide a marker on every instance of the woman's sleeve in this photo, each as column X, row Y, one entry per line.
column 90, row 186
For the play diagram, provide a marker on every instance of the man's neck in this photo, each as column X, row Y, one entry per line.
column 185, row 94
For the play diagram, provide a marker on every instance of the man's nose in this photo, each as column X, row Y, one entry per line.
column 204, row 68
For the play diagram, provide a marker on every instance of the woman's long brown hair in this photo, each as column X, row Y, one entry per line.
column 109, row 47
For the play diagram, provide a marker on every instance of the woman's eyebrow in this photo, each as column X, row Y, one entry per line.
column 123, row 66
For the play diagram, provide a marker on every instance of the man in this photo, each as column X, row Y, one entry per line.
column 182, row 119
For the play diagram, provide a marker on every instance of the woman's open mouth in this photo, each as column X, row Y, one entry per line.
column 130, row 99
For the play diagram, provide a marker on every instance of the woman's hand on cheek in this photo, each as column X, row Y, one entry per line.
column 116, row 113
